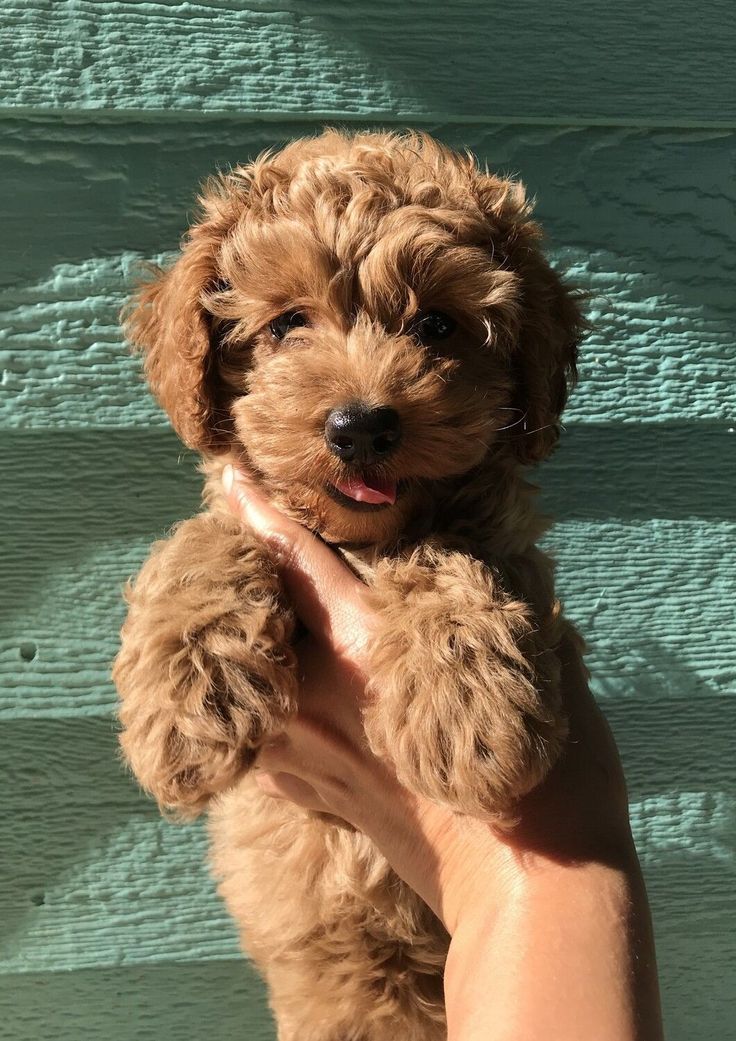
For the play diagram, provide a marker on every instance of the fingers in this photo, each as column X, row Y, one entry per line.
column 314, row 765
column 307, row 765
column 323, row 590
column 290, row 788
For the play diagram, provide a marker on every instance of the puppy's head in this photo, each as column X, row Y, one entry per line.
column 361, row 316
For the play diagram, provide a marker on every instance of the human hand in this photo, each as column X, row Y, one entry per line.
column 569, row 853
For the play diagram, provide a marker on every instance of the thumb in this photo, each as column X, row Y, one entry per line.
column 324, row 592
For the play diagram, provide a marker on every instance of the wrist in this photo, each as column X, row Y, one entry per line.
column 569, row 950
column 473, row 869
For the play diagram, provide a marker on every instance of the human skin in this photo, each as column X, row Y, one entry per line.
column 550, row 930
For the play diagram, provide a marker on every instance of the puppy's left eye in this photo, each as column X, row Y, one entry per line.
column 433, row 325
column 286, row 322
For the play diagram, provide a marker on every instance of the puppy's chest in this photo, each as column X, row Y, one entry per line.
column 525, row 573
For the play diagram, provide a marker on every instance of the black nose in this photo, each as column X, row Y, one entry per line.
column 359, row 434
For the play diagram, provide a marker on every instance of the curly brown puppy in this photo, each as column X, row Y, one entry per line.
column 367, row 325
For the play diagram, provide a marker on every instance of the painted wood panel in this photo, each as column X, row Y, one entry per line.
column 586, row 61
column 97, row 880
column 650, row 586
column 110, row 113
column 643, row 221
column 221, row 1000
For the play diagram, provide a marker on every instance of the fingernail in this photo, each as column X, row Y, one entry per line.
column 259, row 516
column 261, row 520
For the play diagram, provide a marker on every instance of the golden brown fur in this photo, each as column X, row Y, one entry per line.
column 360, row 234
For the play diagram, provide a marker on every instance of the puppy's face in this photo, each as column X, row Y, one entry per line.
column 359, row 316
column 356, row 364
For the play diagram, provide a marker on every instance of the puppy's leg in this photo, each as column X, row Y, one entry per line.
column 205, row 669
column 466, row 686
column 345, row 984
column 349, row 951
column 312, row 1002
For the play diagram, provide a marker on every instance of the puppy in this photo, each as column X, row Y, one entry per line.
column 365, row 323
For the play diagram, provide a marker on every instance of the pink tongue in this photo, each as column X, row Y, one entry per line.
column 373, row 490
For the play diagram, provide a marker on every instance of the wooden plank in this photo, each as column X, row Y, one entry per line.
column 651, row 599
column 637, row 472
column 89, row 520
column 625, row 62
column 694, row 973
column 93, row 879
column 222, row 1000
column 88, row 864
column 648, row 591
column 92, row 875
column 132, row 185
column 618, row 206
column 171, row 1002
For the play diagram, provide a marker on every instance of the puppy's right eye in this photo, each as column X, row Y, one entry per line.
column 433, row 325
column 286, row 322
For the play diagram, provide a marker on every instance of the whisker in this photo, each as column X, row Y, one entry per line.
column 526, row 433
column 545, row 426
column 510, row 426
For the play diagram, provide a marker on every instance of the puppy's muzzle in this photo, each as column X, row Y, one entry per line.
column 356, row 433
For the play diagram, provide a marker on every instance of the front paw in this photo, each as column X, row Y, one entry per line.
column 206, row 669
column 465, row 697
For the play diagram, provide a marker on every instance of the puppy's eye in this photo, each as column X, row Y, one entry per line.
column 286, row 322
column 433, row 325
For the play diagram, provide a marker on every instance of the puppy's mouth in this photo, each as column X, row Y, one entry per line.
column 365, row 492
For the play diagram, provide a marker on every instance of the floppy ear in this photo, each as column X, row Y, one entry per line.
column 550, row 324
column 168, row 322
column 546, row 360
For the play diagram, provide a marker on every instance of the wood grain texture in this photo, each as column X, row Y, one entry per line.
column 625, row 62
column 644, row 222
column 94, row 876
column 222, row 1001
column 112, row 112
column 649, row 587
column 94, row 879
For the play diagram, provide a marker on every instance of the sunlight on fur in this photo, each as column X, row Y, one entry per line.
column 366, row 324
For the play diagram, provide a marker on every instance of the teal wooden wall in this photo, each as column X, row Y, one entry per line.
column 620, row 117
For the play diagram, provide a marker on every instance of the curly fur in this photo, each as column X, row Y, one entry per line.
column 359, row 233
column 465, row 697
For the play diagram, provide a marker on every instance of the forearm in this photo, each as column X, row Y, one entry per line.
column 548, row 918
column 569, row 955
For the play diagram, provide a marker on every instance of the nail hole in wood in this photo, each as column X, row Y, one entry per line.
column 28, row 650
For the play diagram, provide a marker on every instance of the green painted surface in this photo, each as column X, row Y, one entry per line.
column 110, row 115
column 96, row 879
column 220, row 1000
column 645, row 568
column 643, row 221
column 95, row 876
column 529, row 60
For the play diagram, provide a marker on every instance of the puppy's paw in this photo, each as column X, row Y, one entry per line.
column 205, row 670
column 465, row 696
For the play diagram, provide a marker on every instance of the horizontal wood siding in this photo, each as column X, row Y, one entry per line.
column 646, row 570
column 588, row 60
column 643, row 221
column 220, row 1000
column 620, row 120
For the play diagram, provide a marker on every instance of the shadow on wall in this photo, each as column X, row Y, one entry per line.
column 635, row 195
column 79, row 807
column 642, row 471
column 123, row 487
column 110, row 494
column 92, row 875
